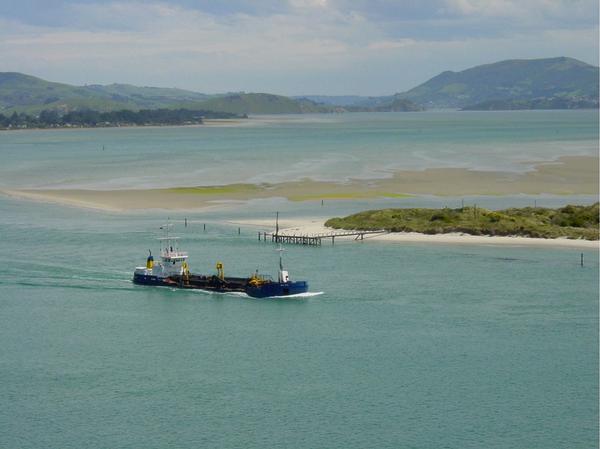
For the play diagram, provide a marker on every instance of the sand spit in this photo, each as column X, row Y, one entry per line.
column 310, row 227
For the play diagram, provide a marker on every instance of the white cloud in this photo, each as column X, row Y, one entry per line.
column 315, row 46
column 302, row 4
column 484, row 7
column 391, row 45
column 526, row 10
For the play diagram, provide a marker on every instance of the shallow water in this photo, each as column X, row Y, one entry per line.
column 284, row 148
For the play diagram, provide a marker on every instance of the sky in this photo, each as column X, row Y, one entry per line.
column 288, row 47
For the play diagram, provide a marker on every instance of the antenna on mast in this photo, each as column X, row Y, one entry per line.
column 167, row 238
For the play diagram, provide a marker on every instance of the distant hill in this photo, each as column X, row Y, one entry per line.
column 355, row 103
column 147, row 97
column 333, row 100
column 25, row 93
column 28, row 94
column 535, row 103
column 555, row 83
column 259, row 103
column 498, row 84
column 394, row 104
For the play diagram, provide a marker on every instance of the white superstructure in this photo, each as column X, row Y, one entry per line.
column 173, row 261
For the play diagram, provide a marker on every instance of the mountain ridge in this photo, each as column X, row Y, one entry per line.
column 512, row 79
column 562, row 82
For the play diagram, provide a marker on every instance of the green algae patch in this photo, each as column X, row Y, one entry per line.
column 345, row 196
column 572, row 222
column 236, row 189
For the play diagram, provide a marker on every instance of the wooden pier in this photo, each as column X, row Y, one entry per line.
column 288, row 235
column 313, row 239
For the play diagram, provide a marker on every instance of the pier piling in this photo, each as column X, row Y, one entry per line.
column 315, row 239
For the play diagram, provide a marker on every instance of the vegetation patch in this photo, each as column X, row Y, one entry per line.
column 216, row 190
column 345, row 195
column 573, row 222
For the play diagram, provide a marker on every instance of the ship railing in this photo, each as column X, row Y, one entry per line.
column 174, row 253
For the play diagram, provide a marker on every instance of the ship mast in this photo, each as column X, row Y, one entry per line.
column 280, row 250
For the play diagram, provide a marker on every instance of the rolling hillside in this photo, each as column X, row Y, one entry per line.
column 540, row 79
column 258, row 103
column 556, row 83
column 24, row 93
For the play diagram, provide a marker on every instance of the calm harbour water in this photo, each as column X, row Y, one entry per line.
column 409, row 345
column 276, row 149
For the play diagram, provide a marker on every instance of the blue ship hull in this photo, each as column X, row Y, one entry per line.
column 148, row 280
column 277, row 289
column 228, row 284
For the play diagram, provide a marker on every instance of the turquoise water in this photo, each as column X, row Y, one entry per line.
column 409, row 345
column 275, row 149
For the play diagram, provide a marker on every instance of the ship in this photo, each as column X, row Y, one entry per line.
column 172, row 270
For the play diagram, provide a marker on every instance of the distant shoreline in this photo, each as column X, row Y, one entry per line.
column 206, row 123
column 50, row 119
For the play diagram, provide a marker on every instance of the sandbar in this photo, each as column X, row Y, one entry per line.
column 569, row 175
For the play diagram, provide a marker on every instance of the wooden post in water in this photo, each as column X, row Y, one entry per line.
column 582, row 259
column 185, row 222
column 204, row 226
column 239, row 231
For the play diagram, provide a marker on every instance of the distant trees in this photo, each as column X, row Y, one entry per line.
column 125, row 117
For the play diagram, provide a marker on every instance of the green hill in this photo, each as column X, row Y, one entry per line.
column 540, row 79
column 147, row 97
column 350, row 103
column 535, row 103
column 31, row 95
column 390, row 104
column 556, row 83
column 24, row 93
column 259, row 103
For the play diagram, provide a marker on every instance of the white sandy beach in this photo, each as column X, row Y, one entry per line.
column 315, row 226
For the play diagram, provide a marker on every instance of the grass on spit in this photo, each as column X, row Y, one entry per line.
column 345, row 196
column 573, row 222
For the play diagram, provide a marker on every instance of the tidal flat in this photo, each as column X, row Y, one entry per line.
column 569, row 175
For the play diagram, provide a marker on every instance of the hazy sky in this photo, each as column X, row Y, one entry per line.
column 290, row 47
